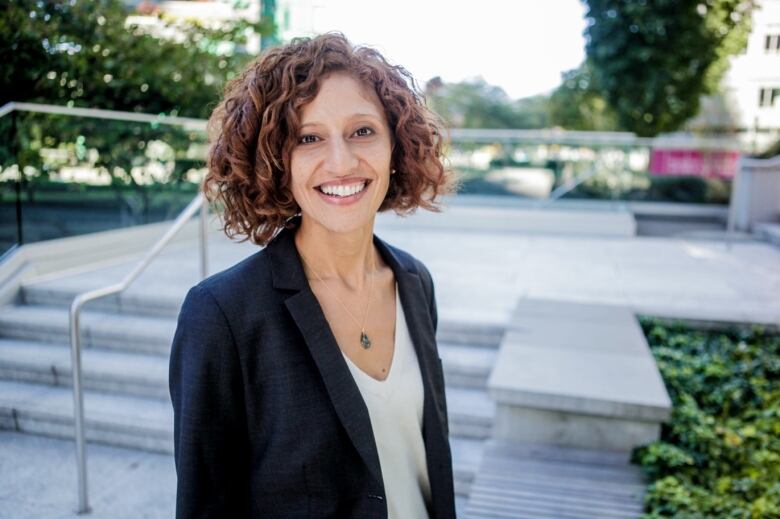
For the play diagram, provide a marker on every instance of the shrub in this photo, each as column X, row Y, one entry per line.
column 719, row 457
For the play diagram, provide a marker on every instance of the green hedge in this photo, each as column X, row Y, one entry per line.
column 719, row 457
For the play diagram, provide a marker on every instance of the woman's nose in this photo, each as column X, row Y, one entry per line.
column 340, row 157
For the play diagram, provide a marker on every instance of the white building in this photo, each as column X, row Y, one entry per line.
column 213, row 13
column 752, row 84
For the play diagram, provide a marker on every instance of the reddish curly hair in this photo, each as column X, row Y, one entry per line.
column 252, row 134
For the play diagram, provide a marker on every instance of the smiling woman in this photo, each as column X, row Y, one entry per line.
column 343, row 157
column 266, row 118
column 306, row 379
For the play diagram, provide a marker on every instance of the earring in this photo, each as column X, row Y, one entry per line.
column 392, row 171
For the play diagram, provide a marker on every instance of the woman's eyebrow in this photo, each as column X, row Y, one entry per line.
column 351, row 117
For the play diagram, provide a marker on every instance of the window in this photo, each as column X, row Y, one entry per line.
column 772, row 43
column 768, row 96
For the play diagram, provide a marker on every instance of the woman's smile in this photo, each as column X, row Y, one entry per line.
column 343, row 194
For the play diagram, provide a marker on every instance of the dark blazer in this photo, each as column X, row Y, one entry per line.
column 268, row 421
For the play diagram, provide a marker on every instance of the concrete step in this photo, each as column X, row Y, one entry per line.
column 466, row 366
column 140, row 423
column 140, row 374
column 520, row 480
column 165, row 302
column 768, row 231
column 460, row 504
column 122, row 421
column 117, row 372
column 98, row 329
column 453, row 331
column 470, row 411
column 466, row 455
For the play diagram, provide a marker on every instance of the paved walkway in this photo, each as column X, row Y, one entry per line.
column 38, row 480
column 480, row 275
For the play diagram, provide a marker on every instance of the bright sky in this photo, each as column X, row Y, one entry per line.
column 519, row 45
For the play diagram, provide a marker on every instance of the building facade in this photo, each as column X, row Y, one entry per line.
column 752, row 85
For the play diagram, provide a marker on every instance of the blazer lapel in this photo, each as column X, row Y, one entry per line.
column 288, row 274
column 418, row 320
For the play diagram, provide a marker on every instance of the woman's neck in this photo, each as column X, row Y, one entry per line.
column 334, row 256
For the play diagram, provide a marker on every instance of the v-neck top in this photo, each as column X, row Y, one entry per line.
column 395, row 407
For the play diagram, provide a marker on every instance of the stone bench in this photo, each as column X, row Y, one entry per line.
column 579, row 375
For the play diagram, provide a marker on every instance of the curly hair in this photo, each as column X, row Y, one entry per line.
column 252, row 134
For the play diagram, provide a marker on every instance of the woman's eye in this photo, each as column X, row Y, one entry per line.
column 308, row 139
column 364, row 132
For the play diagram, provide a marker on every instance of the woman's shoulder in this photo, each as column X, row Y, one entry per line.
column 407, row 260
column 247, row 280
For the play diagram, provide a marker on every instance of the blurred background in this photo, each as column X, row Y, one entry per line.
column 620, row 202
column 565, row 100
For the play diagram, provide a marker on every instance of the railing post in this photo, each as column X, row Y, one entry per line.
column 18, row 186
column 78, row 404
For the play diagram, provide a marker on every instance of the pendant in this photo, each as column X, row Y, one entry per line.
column 365, row 341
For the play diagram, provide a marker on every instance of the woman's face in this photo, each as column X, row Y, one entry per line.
column 341, row 161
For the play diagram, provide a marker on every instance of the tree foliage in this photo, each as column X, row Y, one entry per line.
column 654, row 59
column 82, row 53
column 577, row 103
column 476, row 104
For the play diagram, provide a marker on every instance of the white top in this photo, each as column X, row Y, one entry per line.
column 395, row 406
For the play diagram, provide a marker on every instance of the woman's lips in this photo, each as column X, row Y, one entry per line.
column 345, row 200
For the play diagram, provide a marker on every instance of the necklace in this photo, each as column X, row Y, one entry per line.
column 364, row 340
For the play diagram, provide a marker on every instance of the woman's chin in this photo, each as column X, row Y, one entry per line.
column 336, row 224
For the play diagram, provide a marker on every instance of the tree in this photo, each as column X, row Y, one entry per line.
column 653, row 59
column 476, row 104
column 81, row 53
column 577, row 103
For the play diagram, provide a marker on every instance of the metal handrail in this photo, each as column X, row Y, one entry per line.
column 97, row 113
column 197, row 204
column 561, row 190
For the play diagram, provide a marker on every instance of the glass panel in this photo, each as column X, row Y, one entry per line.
column 75, row 175
column 537, row 167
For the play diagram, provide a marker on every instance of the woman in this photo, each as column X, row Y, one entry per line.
column 305, row 379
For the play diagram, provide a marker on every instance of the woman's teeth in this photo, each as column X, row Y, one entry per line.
column 343, row 191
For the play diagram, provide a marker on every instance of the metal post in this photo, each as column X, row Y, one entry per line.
column 18, row 187
column 78, row 404
column 203, row 228
column 732, row 216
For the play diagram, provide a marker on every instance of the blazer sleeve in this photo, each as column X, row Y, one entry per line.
column 210, row 439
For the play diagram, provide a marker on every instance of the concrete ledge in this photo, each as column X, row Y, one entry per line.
column 599, row 383
column 768, row 231
column 613, row 222
column 571, row 429
column 66, row 256
column 578, row 375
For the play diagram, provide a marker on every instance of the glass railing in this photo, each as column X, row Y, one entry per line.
column 68, row 172
column 545, row 165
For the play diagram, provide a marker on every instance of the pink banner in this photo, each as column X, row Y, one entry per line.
column 700, row 163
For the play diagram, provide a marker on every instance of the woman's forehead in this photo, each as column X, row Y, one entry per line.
column 342, row 95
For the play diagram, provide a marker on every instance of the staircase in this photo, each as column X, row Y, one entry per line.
column 125, row 347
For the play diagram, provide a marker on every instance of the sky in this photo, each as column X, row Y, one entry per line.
column 520, row 45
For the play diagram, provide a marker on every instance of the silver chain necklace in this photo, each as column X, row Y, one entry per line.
column 365, row 342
